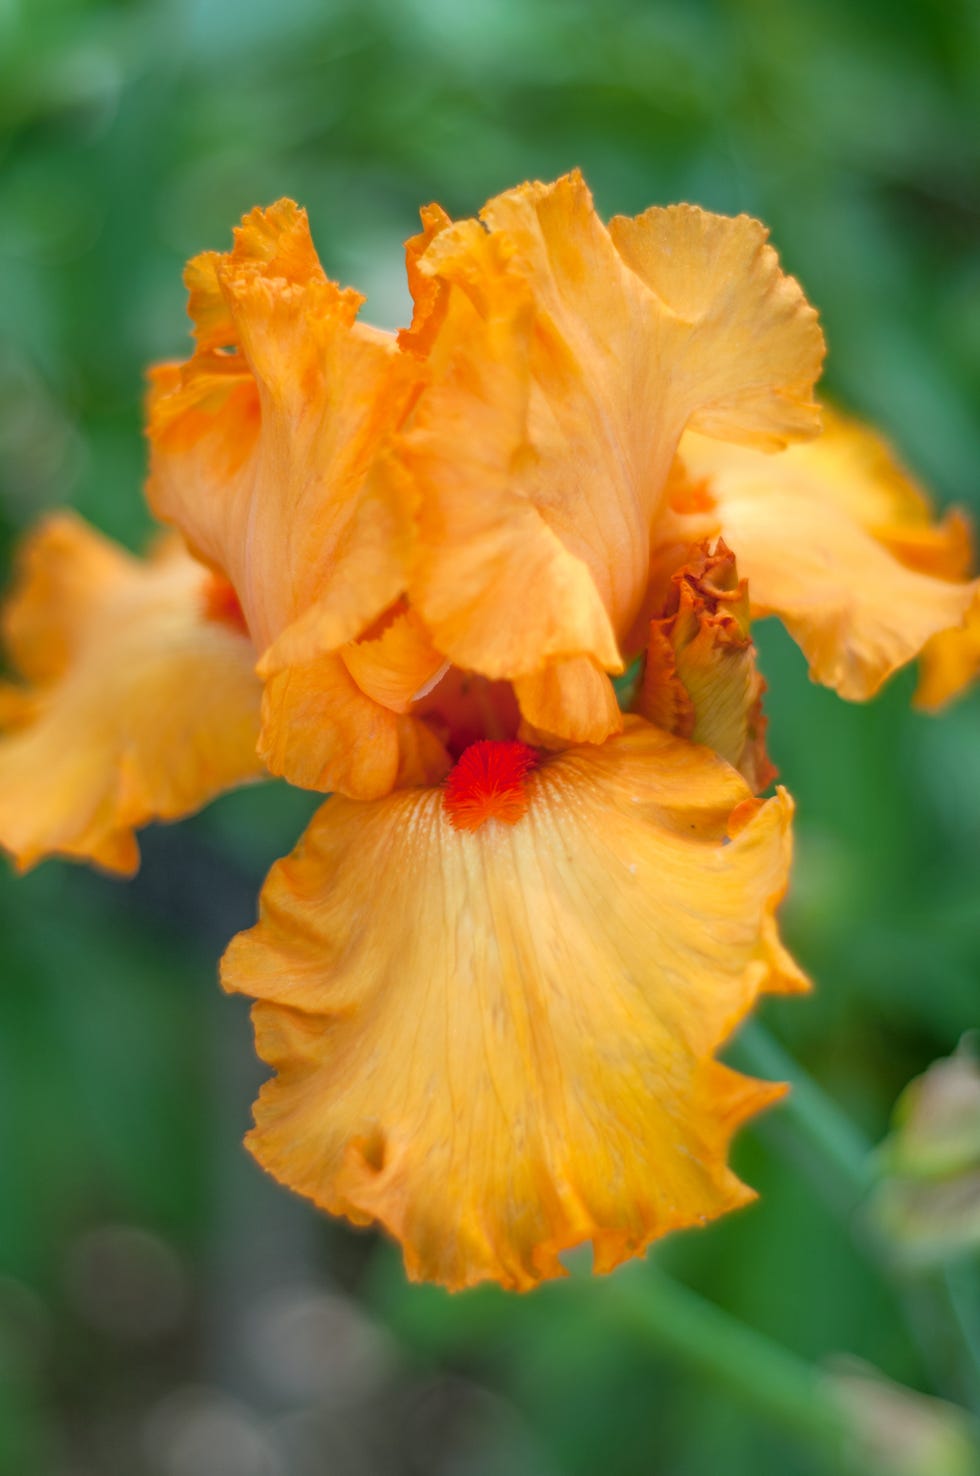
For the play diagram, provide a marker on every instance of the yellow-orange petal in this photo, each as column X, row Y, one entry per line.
column 429, row 295
column 863, row 477
column 499, row 1042
column 63, row 568
column 818, row 531
column 275, row 241
column 265, row 457
column 950, row 662
column 397, row 667
column 484, row 543
column 745, row 348
column 561, row 380
column 700, row 678
column 140, row 706
column 321, row 731
column 570, row 701
column 17, row 706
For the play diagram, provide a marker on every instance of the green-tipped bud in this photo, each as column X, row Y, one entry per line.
column 927, row 1203
column 895, row 1431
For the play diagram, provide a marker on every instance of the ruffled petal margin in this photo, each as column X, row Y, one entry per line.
column 836, row 539
column 321, row 731
column 499, row 1043
column 263, row 449
column 141, row 704
column 566, row 359
column 266, row 449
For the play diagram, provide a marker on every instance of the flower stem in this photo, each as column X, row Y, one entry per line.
column 960, row 1288
column 817, row 1121
column 778, row 1385
column 815, row 1116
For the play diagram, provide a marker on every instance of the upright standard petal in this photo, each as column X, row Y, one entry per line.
column 142, row 700
column 565, row 363
column 835, row 539
column 743, row 342
column 498, row 1041
column 263, row 457
column 266, row 448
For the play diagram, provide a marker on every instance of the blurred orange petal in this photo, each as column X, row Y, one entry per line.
column 499, row 1042
column 63, row 568
column 950, row 662
column 567, row 360
column 140, row 706
column 864, row 478
column 835, row 540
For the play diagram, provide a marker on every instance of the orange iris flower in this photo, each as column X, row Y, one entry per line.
column 493, row 977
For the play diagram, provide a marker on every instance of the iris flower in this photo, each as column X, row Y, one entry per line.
column 492, row 979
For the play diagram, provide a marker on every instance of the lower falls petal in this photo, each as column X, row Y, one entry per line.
column 499, row 1043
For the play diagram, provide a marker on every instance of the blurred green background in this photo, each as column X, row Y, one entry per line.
column 164, row 1309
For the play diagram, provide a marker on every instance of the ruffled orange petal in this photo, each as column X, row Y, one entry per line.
column 274, row 242
column 141, row 707
column 321, row 731
column 265, row 457
column 570, row 701
column 484, row 544
column 499, row 1042
column 834, row 540
column 266, row 449
column 429, row 295
column 950, row 662
column 700, row 678
column 865, row 480
column 561, row 381
column 63, row 568
column 744, row 346
column 397, row 667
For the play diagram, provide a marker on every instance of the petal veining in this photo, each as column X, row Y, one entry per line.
column 499, row 1042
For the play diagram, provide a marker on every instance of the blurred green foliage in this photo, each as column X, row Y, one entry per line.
column 133, row 134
